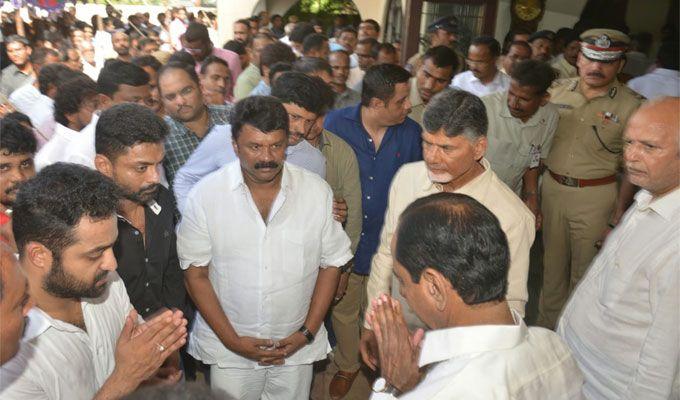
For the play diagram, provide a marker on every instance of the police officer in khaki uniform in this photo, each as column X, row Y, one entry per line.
column 442, row 32
column 580, row 195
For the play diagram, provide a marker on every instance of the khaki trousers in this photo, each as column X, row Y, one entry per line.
column 574, row 219
column 347, row 317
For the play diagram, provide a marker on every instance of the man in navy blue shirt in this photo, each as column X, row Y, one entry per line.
column 383, row 138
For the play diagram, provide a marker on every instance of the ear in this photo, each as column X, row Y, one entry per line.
column 545, row 99
column 437, row 288
column 72, row 119
column 234, row 145
column 103, row 165
column 623, row 64
column 37, row 256
column 104, row 101
column 376, row 103
column 480, row 146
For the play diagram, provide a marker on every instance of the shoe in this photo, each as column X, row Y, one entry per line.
column 341, row 384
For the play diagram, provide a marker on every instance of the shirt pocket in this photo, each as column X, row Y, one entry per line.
column 292, row 253
column 510, row 157
column 606, row 136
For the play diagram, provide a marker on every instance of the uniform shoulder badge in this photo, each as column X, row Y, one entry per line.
column 612, row 92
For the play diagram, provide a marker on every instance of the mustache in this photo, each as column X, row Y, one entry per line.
column 11, row 189
column 150, row 189
column 268, row 164
column 596, row 74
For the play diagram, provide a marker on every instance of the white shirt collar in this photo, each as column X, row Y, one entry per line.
column 444, row 344
column 665, row 206
column 235, row 176
column 428, row 184
column 497, row 79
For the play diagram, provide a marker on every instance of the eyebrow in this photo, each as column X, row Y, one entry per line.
column 102, row 248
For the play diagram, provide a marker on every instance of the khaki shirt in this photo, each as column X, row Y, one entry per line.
column 588, row 143
column 246, row 81
column 342, row 175
column 410, row 183
column 563, row 68
column 515, row 146
column 417, row 105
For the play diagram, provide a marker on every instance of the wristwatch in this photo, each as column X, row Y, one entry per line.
column 308, row 334
column 382, row 386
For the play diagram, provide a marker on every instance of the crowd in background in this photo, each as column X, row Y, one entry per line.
column 237, row 212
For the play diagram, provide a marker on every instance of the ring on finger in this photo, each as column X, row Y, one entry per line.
column 161, row 348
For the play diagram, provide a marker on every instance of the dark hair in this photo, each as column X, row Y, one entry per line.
column 64, row 53
column 116, row 73
column 183, row 57
column 265, row 113
column 147, row 61
column 370, row 42
column 373, row 22
column 536, row 74
column 308, row 92
column 18, row 117
column 457, row 112
column 275, row 16
column 309, row 65
column 39, row 55
column 442, row 57
column 174, row 65
column 213, row 60
column 668, row 54
column 54, row 74
column 235, row 46
column 197, row 32
column 49, row 206
column 301, row 31
column 276, row 52
column 243, row 21
column 342, row 51
column 278, row 68
column 70, row 96
column 488, row 41
column 143, row 42
column 520, row 43
column 567, row 35
column 457, row 236
column 125, row 125
column 349, row 29
column 16, row 39
column 380, row 80
column 387, row 48
column 15, row 138
column 314, row 41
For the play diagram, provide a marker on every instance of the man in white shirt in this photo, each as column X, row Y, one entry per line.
column 451, row 258
column 522, row 123
column 74, row 113
column 482, row 76
column 83, row 340
column 260, row 249
column 622, row 322
column 664, row 80
column 454, row 143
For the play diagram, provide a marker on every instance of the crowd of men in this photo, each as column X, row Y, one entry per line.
column 174, row 206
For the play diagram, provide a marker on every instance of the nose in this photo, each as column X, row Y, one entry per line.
column 428, row 84
column 109, row 263
column 630, row 153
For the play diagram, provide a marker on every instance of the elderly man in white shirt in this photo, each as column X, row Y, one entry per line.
column 622, row 322
column 260, row 249
column 482, row 76
column 82, row 339
column 451, row 257
column 454, row 144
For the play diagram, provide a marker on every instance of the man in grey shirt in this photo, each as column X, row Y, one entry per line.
column 344, row 96
column 21, row 71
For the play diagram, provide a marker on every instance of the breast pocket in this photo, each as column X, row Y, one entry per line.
column 292, row 263
column 607, row 136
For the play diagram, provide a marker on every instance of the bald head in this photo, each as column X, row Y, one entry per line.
column 652, row 152
column 13, row 300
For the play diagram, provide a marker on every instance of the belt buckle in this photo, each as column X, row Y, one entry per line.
column 569, row 181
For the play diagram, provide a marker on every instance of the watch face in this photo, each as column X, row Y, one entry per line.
column 527, row 10
column 379, row 385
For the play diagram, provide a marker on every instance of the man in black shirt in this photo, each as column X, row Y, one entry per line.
column 129, row 144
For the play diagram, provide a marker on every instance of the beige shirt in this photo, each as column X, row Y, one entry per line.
column 563, row 68
column 515, row 146
column 588, row 143
column 417, row 105
column 342, row 175
column 412, row 182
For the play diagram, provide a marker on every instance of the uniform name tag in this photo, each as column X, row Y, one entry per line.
column 534, row 156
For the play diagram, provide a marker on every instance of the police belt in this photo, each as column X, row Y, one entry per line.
column 575, row 182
